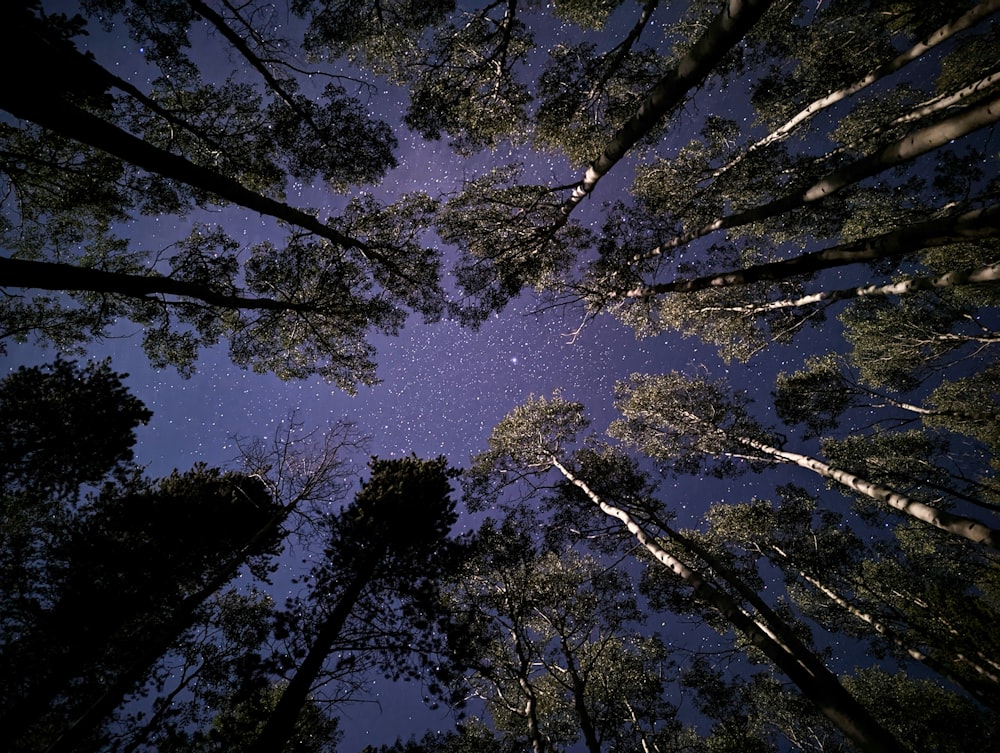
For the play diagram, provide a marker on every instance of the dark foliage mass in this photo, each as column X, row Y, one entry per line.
column 810, row 184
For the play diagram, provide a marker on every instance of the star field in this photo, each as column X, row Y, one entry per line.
column 442, row 386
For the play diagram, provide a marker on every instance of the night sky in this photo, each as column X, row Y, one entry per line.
column 443, row 387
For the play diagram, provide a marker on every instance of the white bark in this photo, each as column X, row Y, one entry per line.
column 967, row 20
column 912, row 146
column 968, row 528
column 984, row 275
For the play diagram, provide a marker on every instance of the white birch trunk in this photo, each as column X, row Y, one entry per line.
column 972, row 17
column 912, row 146
column 968, row 528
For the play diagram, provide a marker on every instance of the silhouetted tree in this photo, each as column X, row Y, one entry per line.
column 389, row 542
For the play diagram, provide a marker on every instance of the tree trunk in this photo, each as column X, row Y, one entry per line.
column 20, row 273
column 822, row 689
column 183, row 617
column 983, row 276
column 987, row 696
column 906, row 240
column 725, row 31
column 531, row 704
column 217, row 21
column 579, row 690
column 970, row 18
column 35, row 98
column 280, row 725
column 968, row 528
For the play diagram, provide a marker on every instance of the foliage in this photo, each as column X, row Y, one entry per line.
column 66, row 425
column 758, row 170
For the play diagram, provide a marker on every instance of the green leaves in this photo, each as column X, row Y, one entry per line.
column 683, row 421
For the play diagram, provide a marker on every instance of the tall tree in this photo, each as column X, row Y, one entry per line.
column 688, row 420
column 725, row 31
column 459, row 66
column 886, row 156
column 67, row 425
column 558, row 654
column 862, row 589
column 898, row 344
column 389, row 539
column 535, row 239
column 966, row 20
column 123, row 572
column 299, row 309
column 372, row 255
column 584, row 96
column 818, row 394
column 298, row 475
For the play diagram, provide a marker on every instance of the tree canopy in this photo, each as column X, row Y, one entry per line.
column 781, row 541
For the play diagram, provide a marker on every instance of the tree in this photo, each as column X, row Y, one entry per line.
column 818, row 394
column 585, row 96
column 389, row 539
column 906, row 240
column 219, row 687
column 340, row 277
column 897, row 344
column 299, row 475
column 685, row 420
column 303, row 310
column 726, row 30
column 471, row 737
column 532, row 439
column 970, row 18
column 925, row 462
column 67, row 425
column 866, row 589
column 511, row 235
column 887, row 156
column 122, row 576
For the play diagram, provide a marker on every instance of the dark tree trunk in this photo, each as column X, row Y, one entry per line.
column 280, row 725
column 19, row 273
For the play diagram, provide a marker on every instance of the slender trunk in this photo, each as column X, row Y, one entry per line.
column 20, row 273
column 280, row 725
column 967, row 20
column 822, row 689
column 531, row 702
column 906, row 240
column 638, row 727
column 781, row 630
column 983, row 276
column 945, row 101
column 47, row 109
column 725, row 31
column 968, row 528
column 579, row 688
column 897, row 153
